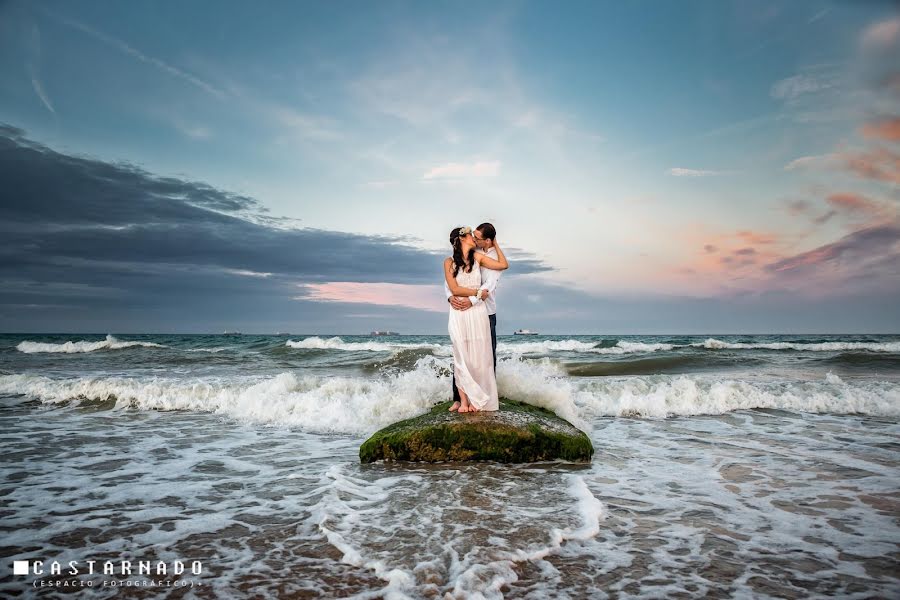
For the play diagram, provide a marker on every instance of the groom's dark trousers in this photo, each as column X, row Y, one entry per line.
column 493, row 320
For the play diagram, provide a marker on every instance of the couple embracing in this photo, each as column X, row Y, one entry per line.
column 470, row 280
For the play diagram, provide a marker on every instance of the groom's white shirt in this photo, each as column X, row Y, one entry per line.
column 489, row 280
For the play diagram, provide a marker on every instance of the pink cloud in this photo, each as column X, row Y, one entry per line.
column 886, row 129
column 881, row 34
column 421, row 297
column 756, row 237
column 880, row 164
column 854, row 203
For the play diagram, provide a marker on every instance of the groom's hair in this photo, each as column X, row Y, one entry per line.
column 488, row 231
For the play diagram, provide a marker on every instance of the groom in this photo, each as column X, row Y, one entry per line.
column 484, row 236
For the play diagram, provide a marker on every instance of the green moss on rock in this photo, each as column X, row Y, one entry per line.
column 516, row 433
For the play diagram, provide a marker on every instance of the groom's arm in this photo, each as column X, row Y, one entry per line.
column 489, row 279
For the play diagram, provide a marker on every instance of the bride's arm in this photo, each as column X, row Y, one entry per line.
column 451, row 281
column 487, row 262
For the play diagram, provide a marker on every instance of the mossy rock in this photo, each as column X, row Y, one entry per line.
column 517, row 433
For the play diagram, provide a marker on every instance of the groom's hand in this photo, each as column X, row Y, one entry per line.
column 460, row 303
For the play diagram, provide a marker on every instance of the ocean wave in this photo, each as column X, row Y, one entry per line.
column 655, row 365
column 110, row 343
column 628, row 347
column 684, row 395
column 364, row 404
column 862, row 361
column 548, row 346
column 714, row 344
column 314, row 403
column 545, row 346
column 336, row 343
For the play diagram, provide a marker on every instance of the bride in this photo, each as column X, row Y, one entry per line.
column 470, row 330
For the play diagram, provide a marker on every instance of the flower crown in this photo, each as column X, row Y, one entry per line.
column 463, row 231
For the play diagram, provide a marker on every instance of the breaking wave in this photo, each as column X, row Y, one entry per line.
column 365, row 404
column 110, row 343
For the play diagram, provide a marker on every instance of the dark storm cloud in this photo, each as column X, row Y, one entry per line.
column 86, row 234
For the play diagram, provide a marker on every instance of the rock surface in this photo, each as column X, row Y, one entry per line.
column 516, row 433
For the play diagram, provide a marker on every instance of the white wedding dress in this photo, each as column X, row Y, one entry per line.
column 473, row 358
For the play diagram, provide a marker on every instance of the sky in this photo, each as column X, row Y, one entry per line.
column 715, row 166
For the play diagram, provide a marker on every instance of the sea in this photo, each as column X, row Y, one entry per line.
column 725, row 466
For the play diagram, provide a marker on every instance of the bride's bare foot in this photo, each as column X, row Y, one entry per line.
column 465, row 401
column 473, row 408
column 455, row 407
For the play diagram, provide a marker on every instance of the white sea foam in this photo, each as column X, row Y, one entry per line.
column 336, row 343
column 660, row 396
column 211, row 350
column 543, row 347
column 714, row 344
column 325, row 404
column 110, row 343
column 549, row 346
column 362, row 405
column 540, row 383
column 628, row 347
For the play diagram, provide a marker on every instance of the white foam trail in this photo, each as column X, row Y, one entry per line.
column 336, row 343
column 714, row 344
column 335, row 518
column 590, row 510
column 110, row 343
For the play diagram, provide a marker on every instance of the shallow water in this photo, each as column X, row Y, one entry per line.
column 772, row 479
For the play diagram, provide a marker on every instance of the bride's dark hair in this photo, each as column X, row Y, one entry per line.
column 458, row 261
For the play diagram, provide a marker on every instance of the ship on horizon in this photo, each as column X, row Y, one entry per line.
column 525, row 332
column 381, row 333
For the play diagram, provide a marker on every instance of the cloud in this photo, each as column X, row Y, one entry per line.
column 811, row 162
column 882, row 34
column 306, row 125
column 791, row 88
column 420, row 297
column 39, row 90
column 114, row 239
column 680, row 172
column 854, row 203
column 756, row 237
column 33, row 71
column 797, row 207
column 137, row 54
column 464, row 170
column 854, row 248
column 819, row 15
column 885, row 129
column 879, row 164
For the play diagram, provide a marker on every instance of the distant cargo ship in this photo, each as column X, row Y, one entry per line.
column 384, row 333
column 525, row 332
